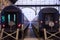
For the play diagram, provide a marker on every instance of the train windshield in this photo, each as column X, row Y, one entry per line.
column 11, row 18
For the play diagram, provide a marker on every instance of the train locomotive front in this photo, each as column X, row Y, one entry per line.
column 11, row 20
column 49, row 20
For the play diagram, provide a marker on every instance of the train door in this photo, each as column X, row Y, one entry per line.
column 49, row 20
column 10, row 20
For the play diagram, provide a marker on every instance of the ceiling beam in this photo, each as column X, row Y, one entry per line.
column 35, row 5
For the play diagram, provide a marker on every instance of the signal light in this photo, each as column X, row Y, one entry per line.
column 19, row 25
column 3, row 25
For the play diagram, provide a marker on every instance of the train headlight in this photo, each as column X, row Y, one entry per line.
column 11, row 23
column 51, row 24
column 56, row 21
column 41, row 21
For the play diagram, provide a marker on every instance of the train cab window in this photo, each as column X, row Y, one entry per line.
column 9, row 18
column 3, row 18
column 14, row 18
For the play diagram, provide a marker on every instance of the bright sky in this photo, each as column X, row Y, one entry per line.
column 29, row 13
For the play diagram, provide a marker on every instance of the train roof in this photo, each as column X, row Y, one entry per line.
column 49, row 10
column 11, row 8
